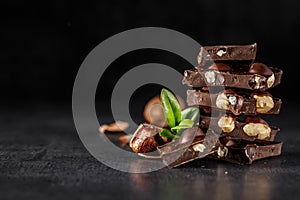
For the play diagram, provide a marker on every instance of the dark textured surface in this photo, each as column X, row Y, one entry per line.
column 41, row 156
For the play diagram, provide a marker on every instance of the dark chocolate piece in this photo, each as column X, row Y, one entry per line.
column 249, row 105
column 228, row 125
column 261, row 69
column 225, row 148
column 236, row 79
column 176, row 153
column 245, row 152
column 229, row 54
column 220, row 67
column 146, row 138
column 189, row 134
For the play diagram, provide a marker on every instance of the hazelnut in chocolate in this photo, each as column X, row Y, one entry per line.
column 146, row 138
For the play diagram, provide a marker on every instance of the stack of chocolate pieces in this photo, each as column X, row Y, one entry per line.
column 232, row 92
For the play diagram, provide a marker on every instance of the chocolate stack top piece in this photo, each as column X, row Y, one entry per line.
column 234, row 55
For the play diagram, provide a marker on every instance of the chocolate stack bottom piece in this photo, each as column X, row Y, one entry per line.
column 211, row 145
column 233, row 94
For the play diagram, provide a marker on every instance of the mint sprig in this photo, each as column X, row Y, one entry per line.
column 177, row 119
column 171, row 107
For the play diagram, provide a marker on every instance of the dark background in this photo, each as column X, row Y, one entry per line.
column 43, row 44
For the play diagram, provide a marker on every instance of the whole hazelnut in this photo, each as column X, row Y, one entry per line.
column 199, row 147
column 258, row 82
column 256, row 126
column 210, row 76
column 221, row 52
column 214, row 77
column 230, row 100
column 260, row 130
column 264, row 102
column 222, row 152
column 222, row 101
column 226, row 123
column 270, row 81
column 153, row 111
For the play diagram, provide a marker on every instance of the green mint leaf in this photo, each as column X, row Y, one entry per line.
column 168, row 134
column 185, row 123
column 171, row 107
column 190, row 113
column 167, row 108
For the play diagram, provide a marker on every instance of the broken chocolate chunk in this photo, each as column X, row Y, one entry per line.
column 176, row 153
column 146, row 138
column 246, row 152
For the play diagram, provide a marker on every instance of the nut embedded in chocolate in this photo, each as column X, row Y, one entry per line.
column 256, row 126
column 199, row 147
column 229, row 100
column 226, row 123
column 213, row 77
column 263, row 76
column 146, row 138
column 262, row 131
column 264, row 102
column 222, row 152
column 270, row 81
